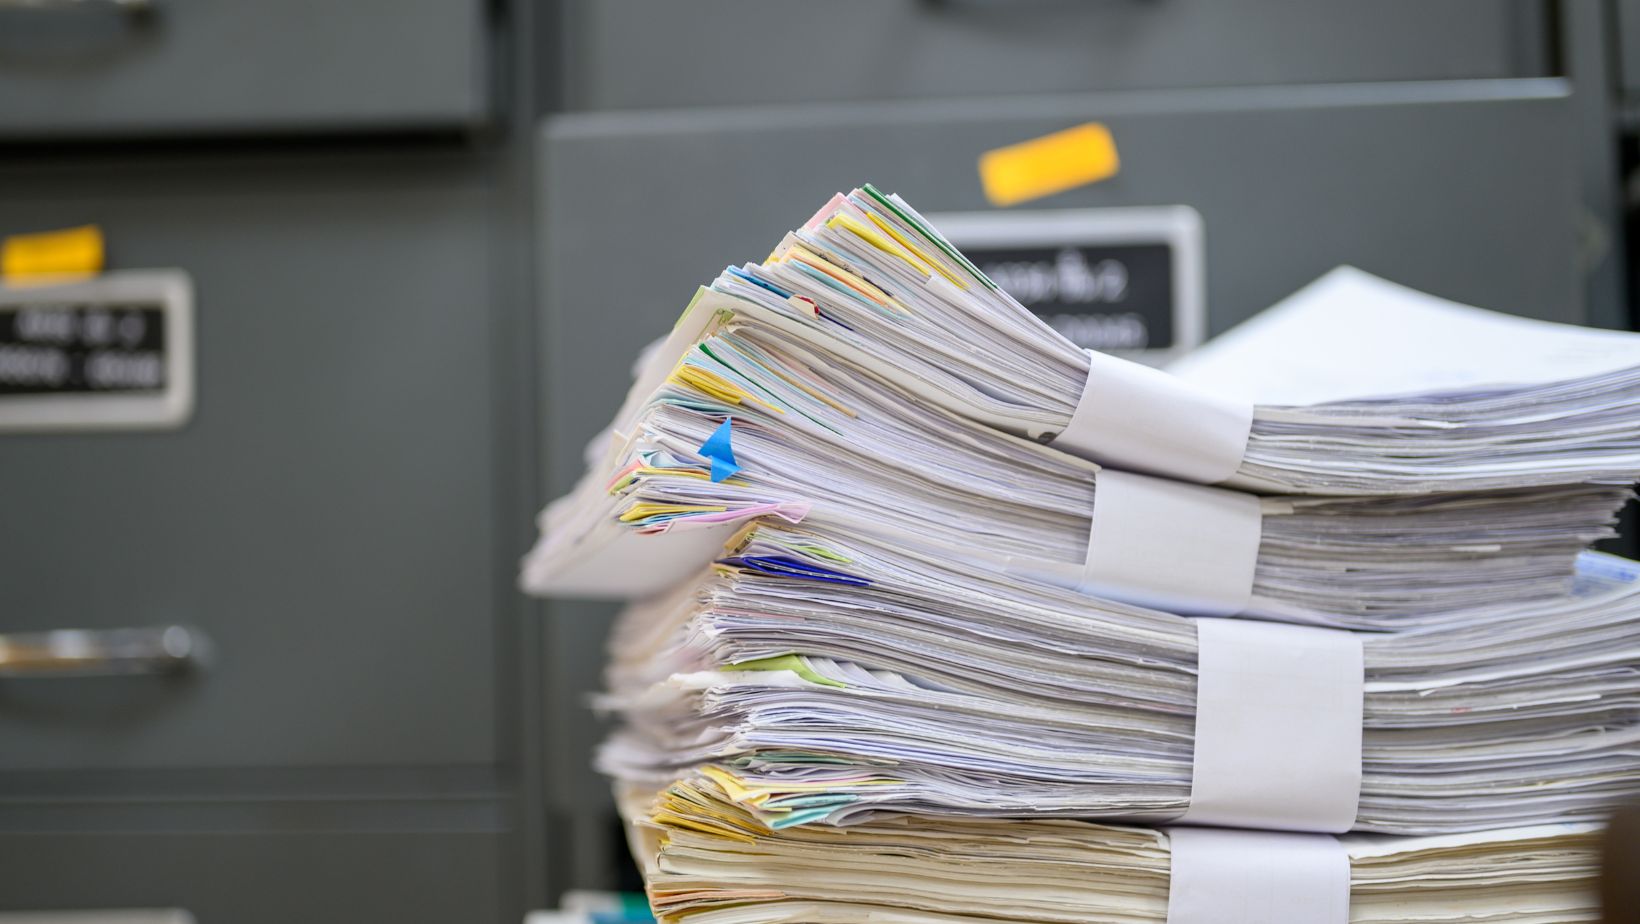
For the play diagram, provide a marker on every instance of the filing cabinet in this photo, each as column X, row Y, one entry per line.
column 340, row 515
column 325, row 519
column 330, row 520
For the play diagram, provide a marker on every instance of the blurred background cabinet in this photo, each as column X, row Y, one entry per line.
column 342, row 515
column 638, row 54
column 427, row 237
column 158, row 68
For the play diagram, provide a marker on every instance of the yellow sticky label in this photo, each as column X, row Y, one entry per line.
column 1047, row 165
column 69, row 252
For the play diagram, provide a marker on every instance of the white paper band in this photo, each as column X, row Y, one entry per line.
column 1221, row 876
column 1278, row 727
column 1172, row 546
column 1134, row 417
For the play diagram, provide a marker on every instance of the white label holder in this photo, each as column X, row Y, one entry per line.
column 1278, row 727
column 1222, row 876
column 1134, row 417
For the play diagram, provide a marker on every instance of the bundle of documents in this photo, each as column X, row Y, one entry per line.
column 750, row 423
column 867, row 280
column 924, row 591
column 834, row 679
column 709, row 861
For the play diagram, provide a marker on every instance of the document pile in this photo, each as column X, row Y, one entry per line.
column 710, row 862
column 744, row 423
column 918, row 577
column 830, row 680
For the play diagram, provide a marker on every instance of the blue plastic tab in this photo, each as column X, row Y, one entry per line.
column 721, row 451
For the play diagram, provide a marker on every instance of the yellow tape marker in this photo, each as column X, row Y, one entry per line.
column 55, row 254
column 1047, row 165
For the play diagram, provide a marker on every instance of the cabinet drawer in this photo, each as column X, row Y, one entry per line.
column 732, row 52
column 327, row 518
column 260, row 878
column 107, row 68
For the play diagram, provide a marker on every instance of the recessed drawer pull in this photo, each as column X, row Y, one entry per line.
column 98, row 652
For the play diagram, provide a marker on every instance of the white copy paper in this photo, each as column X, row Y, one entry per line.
column 1278, row 727
column 1351, row 334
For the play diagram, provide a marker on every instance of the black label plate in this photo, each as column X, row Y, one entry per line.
column 54, row 348
column 1107, row 297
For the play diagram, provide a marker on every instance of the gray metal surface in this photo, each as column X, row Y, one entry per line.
column 252, row 877
column 1626, row 16
column 621, row 54
column 328, row 518
column 343, row 515
column 220, row 66
column 1467, row 190
column 1593, row 48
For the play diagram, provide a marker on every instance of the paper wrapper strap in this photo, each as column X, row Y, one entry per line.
column 1278, row 727
column 1133, row 417
column 1179, row 547
column 1221, row 876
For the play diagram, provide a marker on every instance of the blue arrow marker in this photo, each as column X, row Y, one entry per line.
column 719, row 449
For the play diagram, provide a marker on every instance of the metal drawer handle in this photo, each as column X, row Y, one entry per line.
column 132, row 7
column 98, row 652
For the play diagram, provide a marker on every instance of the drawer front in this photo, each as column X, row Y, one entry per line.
column 327, row 519
column 731, row 52
column 1470, row 194
column 332, row 877
column 203, row 67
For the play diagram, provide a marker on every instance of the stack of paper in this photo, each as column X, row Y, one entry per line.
column 868, row 280
column 750, row 422
column 833, row 679
column 920, row 581
column 709, row 861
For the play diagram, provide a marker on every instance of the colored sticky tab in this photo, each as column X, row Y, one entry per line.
column 69, row 252
column 721, row 451
column 1047, row 165
column 797, row 664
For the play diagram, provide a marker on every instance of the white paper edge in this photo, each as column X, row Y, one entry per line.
column 1172, row 546
column 622, row 563
column 1278, row 727
column 1221, row 876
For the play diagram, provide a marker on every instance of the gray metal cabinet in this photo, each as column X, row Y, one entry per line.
column 341, row 517
column 624, row 54
column 260, row 878
column 327, row 516
column 336, row 518
column 1625, row 20
column 1464, row 189
column 103, row 68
